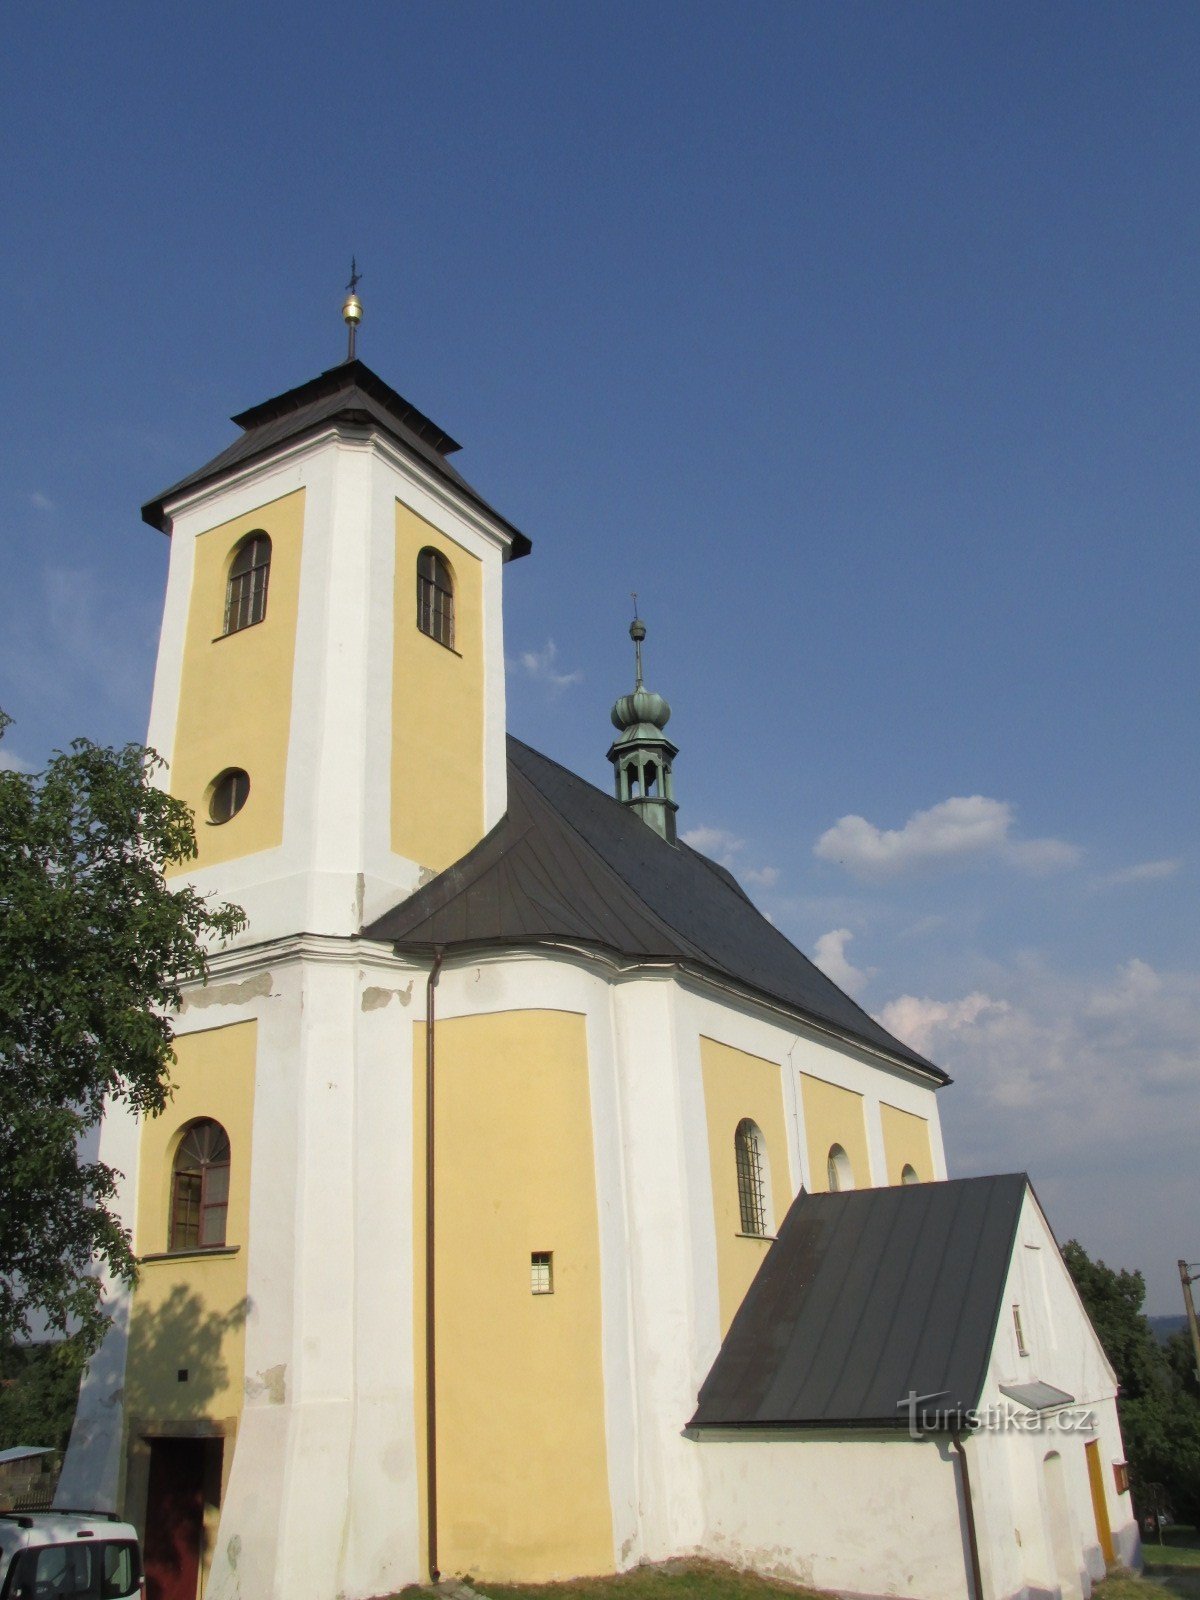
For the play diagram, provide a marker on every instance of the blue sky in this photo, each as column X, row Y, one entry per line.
column 860, row 340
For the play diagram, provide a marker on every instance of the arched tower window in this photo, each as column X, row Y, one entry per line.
column 246, row 593
column 909, row 1174
column 200, row 1187
column 750, row 1157
column 839, row 1172
column 435, row 597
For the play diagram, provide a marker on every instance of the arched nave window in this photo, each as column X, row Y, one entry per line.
column 839, row 1172
column 751, row 1159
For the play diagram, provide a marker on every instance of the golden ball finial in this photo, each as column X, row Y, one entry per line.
column 352, row 307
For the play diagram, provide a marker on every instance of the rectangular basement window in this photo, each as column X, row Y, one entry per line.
column 541, row 1272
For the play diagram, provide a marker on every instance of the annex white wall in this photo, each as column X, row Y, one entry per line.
column 871, row 1515
column 1016, row 1532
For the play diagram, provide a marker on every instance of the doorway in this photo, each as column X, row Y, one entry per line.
column 182, row 1473
column 1061, row 1535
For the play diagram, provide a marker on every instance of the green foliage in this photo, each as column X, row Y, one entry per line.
column 93, row 949
column 1159, row 1402
column 39, row 1384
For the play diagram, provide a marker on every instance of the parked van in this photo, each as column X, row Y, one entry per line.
column 68, row 1555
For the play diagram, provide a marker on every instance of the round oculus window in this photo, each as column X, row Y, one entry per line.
column 228, row 794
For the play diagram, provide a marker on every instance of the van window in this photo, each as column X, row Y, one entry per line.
column 81, row 1570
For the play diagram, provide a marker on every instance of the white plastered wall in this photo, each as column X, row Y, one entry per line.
column 335, row 869
column 874, row 1514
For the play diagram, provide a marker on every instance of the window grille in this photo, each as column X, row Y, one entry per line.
column 747, row 1145
column 246, row 595
column 541, row 1272
column 435, row 598
column 200, row 1188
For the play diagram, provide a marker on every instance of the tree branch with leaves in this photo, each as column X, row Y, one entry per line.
column 95, row 948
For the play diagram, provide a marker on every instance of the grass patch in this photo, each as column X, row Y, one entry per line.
column 670, row 1580
column 1179, row 1551
column 713, row 1580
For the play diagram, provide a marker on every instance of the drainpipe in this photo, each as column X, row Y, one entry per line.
column 431, row 1506
column 969, row 1514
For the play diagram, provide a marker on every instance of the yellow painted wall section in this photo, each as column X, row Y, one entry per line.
column 833, row 1115
column 437, row 707
column 522, row 1453
column 906, row 1143
column 738, row 1085
column 235, row 694
column 189, row 1310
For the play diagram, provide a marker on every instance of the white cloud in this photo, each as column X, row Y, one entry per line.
column 541, row 666
column 1090, row 1083
column 714, row 842
column 963, row 828
column 725, row 847
column 830, row 956
column 1143, row 872
column 40, row 501
column 14, row 763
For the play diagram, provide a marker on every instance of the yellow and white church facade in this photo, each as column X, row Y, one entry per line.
column 469, row 976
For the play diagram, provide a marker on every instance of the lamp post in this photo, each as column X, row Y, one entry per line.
column 1189, row 1305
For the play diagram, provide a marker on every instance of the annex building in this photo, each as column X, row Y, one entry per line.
column 528, row 1205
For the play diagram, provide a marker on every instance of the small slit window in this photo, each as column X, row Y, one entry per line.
column 435, row 598
column 838, row 1171
column 909, row 1174
column 541, row 1272
column 1019, row 1331
column 246, row 593
column 750, row 1160
column 229, row 793
column 200, row 1188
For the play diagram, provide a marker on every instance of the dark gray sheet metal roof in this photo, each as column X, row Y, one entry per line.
column 1037, row 1395
column 570, row 864
column 864, row 1297
column 351, row 392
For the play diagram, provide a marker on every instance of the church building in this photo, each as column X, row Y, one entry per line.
column 528, row 1205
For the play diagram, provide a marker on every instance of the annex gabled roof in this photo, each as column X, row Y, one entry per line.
column 350, row 392
column 863, row 1298
column 570, row 864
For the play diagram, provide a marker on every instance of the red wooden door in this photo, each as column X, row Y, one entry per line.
column 174, row 1518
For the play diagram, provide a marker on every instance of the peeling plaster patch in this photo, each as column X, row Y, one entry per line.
column 426, row 875
column 233, row 1550
column 228, row 994
column 272, row 1384
column 375, row 998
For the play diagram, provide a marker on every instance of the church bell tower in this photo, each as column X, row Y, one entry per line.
column 329, row 694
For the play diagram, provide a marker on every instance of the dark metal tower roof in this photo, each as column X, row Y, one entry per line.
column 568, row 864
column 350, row 392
